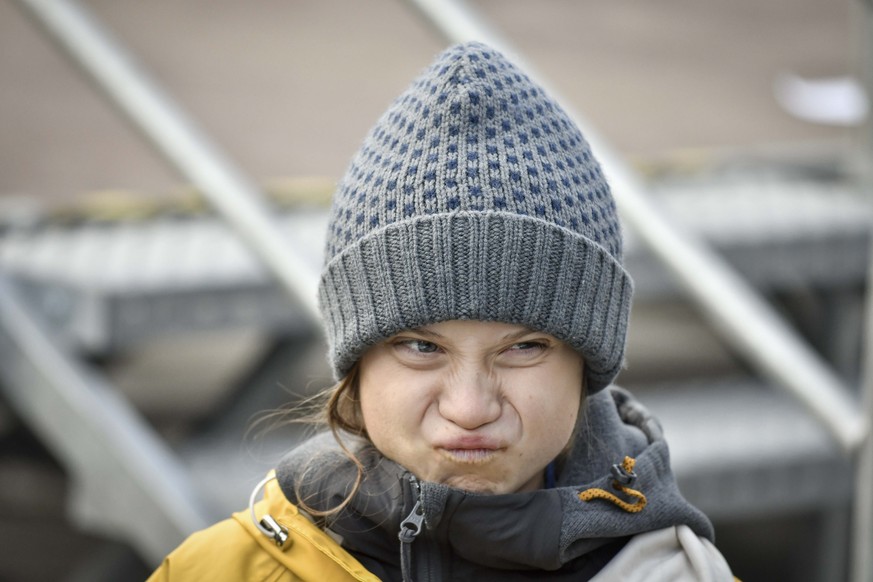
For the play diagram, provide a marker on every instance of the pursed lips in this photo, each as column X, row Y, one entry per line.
column 470, row 449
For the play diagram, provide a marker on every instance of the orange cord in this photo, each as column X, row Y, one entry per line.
column 597, row 493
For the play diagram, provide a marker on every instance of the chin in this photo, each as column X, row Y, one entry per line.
column 475, row 484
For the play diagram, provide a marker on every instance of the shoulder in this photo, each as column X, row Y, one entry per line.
column 235, row 549
column 673, row 553
column 223, row 551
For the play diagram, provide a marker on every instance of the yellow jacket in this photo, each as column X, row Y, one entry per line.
column 235, row 549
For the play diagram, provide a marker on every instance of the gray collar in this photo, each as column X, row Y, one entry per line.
column 517, row 531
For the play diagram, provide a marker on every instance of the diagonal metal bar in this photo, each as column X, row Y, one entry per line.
column 126, row 481
column 737, row 311
column 175, row 136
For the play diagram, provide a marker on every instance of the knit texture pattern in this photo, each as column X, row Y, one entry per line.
column 475, row 197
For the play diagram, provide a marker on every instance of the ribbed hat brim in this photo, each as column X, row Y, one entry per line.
column 489, row 266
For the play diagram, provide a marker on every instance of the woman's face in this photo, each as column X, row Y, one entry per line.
column 481, row 406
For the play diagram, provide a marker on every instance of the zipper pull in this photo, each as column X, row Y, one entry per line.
column 410, row 527
column 267, row 525
column 276, row 531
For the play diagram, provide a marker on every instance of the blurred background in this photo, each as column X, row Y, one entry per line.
column 141, row 344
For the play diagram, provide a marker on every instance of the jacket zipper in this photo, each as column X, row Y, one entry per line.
column 410, row 527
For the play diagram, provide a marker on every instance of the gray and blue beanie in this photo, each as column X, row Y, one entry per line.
column 476, row 197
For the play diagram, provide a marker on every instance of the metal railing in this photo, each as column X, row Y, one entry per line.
column 175, row 136
column 126, row 481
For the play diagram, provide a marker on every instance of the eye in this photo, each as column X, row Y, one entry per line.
column 529, row 347
column 418, row 346
column 525, row 352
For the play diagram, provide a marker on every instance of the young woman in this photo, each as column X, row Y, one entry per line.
column 476, row 308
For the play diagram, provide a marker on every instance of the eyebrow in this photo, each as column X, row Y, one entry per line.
column 518, row 334
column 508, row 337
column 425, row 332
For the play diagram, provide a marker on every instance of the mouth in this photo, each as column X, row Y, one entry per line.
column 470, row 450
column 470, row 456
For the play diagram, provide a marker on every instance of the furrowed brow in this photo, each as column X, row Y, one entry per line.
column 517, row 334
column 424, row 332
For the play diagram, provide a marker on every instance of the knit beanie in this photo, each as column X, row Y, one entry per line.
column 476, row 197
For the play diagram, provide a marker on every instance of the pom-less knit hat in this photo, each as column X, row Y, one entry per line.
column 475, row 197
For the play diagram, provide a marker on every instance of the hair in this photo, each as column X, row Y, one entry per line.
column 338, row 408
column 342, row 410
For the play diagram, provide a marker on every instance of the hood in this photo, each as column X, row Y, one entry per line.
column 543, row 530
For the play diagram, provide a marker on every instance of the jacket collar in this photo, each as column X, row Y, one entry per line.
column 515, row 531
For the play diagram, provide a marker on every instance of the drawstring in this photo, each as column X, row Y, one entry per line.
column 624, row 475
column 267, row 525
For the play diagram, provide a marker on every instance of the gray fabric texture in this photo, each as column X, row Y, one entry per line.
column 475, row 197
column 549, row 529
column 675, row 554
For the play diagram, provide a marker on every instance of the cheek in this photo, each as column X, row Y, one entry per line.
column 557, row 419
column 378, row 404
column 371, row 392
column 380, row 418
column 371, row 414
column 390, row 405
column 552, row 410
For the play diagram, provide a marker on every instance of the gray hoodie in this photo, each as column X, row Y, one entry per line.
column 404, row 529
